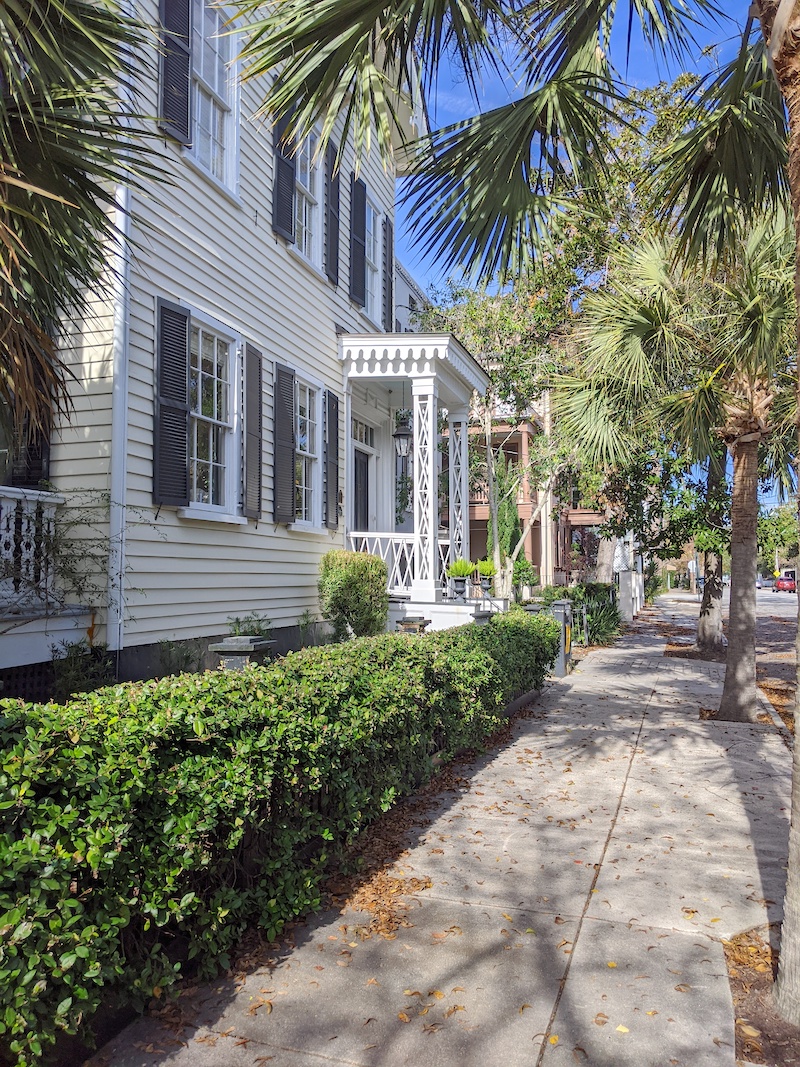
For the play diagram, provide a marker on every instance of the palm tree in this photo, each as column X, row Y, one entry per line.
column 485, row 197
column 67, row 138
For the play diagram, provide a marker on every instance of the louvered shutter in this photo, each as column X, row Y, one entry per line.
column 283, row 473
column 358, row 241
column 331, row 460
column 175, row 90
column 284, row 182
column 171, row 441
column 251, row 477
column 332, row 198
column 388, row 275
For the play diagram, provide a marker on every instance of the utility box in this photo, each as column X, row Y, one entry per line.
column 562, row 611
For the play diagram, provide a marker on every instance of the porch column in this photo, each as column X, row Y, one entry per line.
column 425, row 585
column 458, row 441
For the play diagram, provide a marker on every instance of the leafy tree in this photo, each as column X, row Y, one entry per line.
column 69, row 134
column 778, row 537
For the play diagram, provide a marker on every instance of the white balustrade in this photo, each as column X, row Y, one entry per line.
column 398, row 551
column 27, row 527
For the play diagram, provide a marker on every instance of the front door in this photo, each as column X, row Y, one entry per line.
column 361, row 491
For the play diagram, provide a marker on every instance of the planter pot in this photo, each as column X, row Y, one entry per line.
column 236, row 652
column 486, row 585
column 459, row 587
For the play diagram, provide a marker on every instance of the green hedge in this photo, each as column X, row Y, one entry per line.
column 147, row 819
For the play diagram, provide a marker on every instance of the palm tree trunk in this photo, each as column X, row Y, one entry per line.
column 787, row 71
column 739, row 698
column 709, row 625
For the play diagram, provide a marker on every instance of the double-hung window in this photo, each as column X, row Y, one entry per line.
column 373, row 246
column 207, row 442
column 371, row 256
column 198, row 84
column 306, row 452
column 211, row 48
column 306, row 464
column 307, row 226
column 210, row 416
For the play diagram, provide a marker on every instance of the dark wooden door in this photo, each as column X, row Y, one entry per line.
column 361, row 491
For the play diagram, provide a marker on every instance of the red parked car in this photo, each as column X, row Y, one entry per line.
column 786, row 583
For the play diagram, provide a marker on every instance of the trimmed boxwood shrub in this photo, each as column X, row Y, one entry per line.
column 144, row 820
column 352, row 593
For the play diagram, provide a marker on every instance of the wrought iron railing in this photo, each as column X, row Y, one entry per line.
column 27, row 528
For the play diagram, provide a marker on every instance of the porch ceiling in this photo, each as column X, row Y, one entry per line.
column 394, row 358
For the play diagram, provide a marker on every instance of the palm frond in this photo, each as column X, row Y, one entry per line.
column 560, row 27
column 360, row 57
column 730, row 164
column 693, row 416
column 484, row 195
column 68, row 136
column 597, row 414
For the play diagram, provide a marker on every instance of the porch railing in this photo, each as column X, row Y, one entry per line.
column 27, row 527
column 397, row 551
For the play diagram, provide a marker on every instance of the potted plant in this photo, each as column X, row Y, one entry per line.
column 459, row 570
column 487, row 571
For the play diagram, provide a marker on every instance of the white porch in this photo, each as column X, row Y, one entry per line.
column 433, row 377
column 33, row 616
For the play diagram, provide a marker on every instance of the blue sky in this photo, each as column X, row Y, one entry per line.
column 453, row 102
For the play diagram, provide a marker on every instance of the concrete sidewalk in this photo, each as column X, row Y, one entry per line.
column 581, row 881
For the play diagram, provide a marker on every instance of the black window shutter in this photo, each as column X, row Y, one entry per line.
column 284, row 181
column 358, row 241
column 251, row 477
column 171, row 440
column 331, row 460
column 388, row 275
column 175, row 91
column 332, row 197
column 283, row 474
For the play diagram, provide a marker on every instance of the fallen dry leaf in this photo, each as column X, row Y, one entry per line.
column 401, row 1015
column 411, row 993
column 453, row 1010
column 749, row 1031
column 611, row 964
column 553, row 1039
column 524, row 1006
column 436, row 993
column 601, row 1019
column 622, row 1029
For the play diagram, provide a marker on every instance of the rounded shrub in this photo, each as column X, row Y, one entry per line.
column 353, row 594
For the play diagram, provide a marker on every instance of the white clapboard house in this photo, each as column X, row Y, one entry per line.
column 236, row 401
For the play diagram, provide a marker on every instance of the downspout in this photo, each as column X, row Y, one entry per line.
column 121, row 267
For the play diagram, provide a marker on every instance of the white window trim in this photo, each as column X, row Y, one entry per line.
column 229, row 183
column 229, row 512
column 316, row 524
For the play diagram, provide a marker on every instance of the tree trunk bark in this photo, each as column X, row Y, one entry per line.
column 709, row 624
column 710, row 637
column 787, row 71
column 739, row 698
column 604, row 571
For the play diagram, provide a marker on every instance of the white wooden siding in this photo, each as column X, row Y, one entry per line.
column 198, row 246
